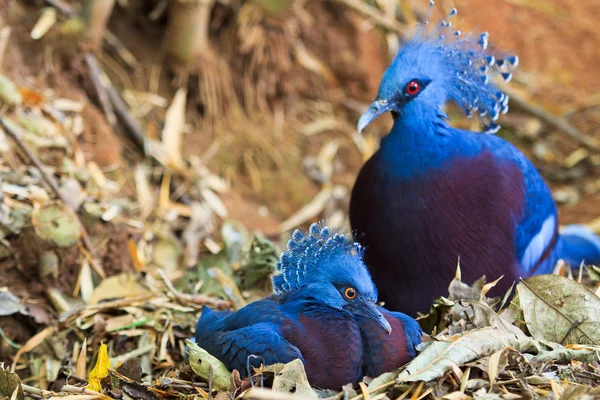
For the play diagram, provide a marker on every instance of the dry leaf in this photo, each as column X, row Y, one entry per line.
column 117, row 286
column 173, row 129
column 56, row 222
column 439, row 357
column 81, row 367
column 291, row 378
column 560, row 310
column 44, row 23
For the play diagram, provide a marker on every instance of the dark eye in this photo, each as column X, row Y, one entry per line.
column 350, row 293
column 413, row 88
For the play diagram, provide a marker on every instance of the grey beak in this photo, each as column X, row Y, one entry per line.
column 370, row 310
column 377, row 108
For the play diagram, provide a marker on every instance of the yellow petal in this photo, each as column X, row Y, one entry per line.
column 100, row 370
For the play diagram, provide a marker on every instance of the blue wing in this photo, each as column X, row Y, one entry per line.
column 253, row 330
column 260, row 340
column 537, row 228
column 412, row 329
column 578, row 244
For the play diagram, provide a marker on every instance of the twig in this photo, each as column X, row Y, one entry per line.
column 377, row 17
column 62, row 7
column 55, row 188
column 193, row 298
column 101, row 92
column 39, row 392
column 112, row 41
column 82, row 390
column 518, row 102
column 128, row 120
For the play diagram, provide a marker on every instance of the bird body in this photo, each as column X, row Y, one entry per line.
column 323, row 312
column 433, row 194
column 281, row 331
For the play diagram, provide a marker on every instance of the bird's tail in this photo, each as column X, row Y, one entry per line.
column 578, row 244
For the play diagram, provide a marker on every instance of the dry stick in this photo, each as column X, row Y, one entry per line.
column 112, row 41
column 131, row 124
column 193, row 298
column 517, row 102
column 372, row 13
column 95, row 75
column 37, row 391
column 62, row 7
column 54, row 186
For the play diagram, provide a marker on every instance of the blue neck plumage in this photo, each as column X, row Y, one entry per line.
column 419, row 140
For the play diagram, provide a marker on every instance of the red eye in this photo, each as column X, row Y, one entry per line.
column 413, row 88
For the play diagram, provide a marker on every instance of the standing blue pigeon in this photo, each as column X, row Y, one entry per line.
column 433, row 194
column 323, row 312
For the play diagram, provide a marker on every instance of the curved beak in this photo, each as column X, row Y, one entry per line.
column 378, row 107
column 369, row 310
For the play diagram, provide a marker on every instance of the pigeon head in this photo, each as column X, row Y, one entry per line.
column 443, row 64
column 328, row 266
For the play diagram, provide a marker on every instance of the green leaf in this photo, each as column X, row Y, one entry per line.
column 200, row 360
column 9, row 94
column 259, row 263
column 57, row 223
column 560, row 310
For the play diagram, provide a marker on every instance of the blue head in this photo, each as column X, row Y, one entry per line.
column 328, row 267
column 441, row 65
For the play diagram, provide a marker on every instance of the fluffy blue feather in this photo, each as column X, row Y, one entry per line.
column 322, row 254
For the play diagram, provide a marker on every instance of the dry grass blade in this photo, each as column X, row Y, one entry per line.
column 44, row 23
column 81, row 367
column 309, row 211
column 376, row 16
column 4, row 35
column 173, row 130
column 32, row 344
